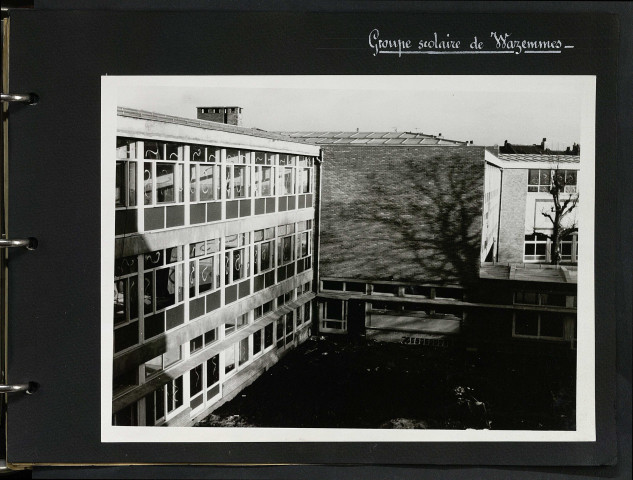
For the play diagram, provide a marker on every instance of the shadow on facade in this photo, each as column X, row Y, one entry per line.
column 428, row 213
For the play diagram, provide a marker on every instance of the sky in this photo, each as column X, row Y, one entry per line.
column 485, row 109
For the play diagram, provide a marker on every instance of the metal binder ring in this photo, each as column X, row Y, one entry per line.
column 28, row 388
column 30, row 98
column 28, row 243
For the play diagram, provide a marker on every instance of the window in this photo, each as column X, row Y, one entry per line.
column 203, row 183
column 334, row 309
column 127, row 416
column 195, row 381
column 237, row 265
column 333, row 315
column 211, row 336
column 268, row 335
column 280, row 331
column 541, row 180
column 307, row 310
column 125, row 290
column 204, row 267
column 257, row 341
column 285, row 243
column 538, row 325
column 304, row 180
column 163, row 401
column 535, row 248
column 305, row 288
column 569, row 248
column 213, row 370
column 303, row 244
column 533, row 298
column 203, row 340
column 244, row 353
column 163, row 289
column 332, row 285
column 264, row 251
column 126, row 172
column 240, row 322
column 125, row 381
column 287, row 174
column 161, row 362
column 229, row 359
column 264, row 186
column 263, row 309
column 526, row 298
column 163, row 180
column 126, row 148
column 125, row 184
column 196, row 344
column 237, row 174
column 567, row 178
column 289, row 327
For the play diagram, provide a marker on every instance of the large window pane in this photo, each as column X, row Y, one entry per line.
column 334, row 309
column 165, row 287
column 305, row 179
column 552, row 326
column 266, row 181
column 206, row 274
column 244, row 351
column 121, row 186
column 153, row 366
column 288, row 186
column 206, row 182
column 193, row 183
column 304, row 244
column 239, row 181
column 120, row 301
column 265, row 256
column 229, row 359
column 165, row 183
column 172, row 356
column 132, row 184
column 195, row 380
column 213, row 370
column 148, row 195
column 526, row 323
column 238, row 264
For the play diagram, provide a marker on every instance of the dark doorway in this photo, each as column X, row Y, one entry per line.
column 356, row 317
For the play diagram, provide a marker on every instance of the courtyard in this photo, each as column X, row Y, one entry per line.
column 340, row 383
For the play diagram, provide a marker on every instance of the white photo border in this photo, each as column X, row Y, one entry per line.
column 584, row 85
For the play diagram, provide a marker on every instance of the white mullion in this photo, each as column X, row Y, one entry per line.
column 140, row 296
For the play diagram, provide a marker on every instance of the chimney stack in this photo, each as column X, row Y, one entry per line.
column 543, row 143
column 227, row 115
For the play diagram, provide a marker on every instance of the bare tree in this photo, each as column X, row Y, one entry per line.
column 561, row 209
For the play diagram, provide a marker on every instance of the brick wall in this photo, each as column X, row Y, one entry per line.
column 512, row 222
column 401, row 213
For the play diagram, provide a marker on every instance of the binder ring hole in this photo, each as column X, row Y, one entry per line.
column 32, row 243
column 33, row 98
column 33, row 386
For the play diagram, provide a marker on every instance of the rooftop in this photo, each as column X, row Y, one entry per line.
column 374, row 138
column 535, row 157
column 537, row 149
column 206, row 124
column 527, row 272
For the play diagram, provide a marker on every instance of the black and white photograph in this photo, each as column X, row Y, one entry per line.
column 347, row 258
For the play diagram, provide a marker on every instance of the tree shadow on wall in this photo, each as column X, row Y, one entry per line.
column 433, row 209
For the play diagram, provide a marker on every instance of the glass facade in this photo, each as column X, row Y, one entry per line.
column 180, row 284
